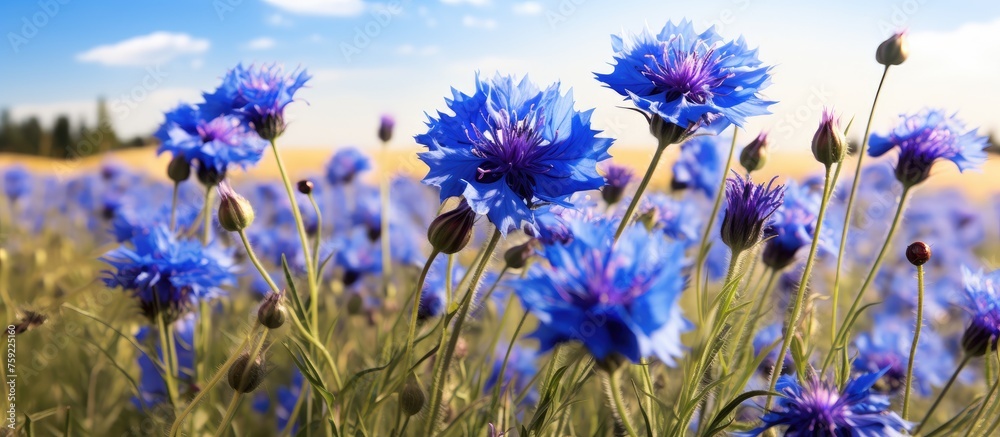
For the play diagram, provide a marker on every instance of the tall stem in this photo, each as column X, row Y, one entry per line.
column 441, row 372
column 615, row 392
column 170, row 375
column 412, row 332
column 642, row 187
column 850, row 203
column 206, row 224
column 230, row 412
column 256, row 262
column 842, row 332
column 916, row 339
column 793, row 317
column 700, row 294
column 173, row 207
column 947, row 386
column 319, row 234
column 303, row 238
column 387, row 286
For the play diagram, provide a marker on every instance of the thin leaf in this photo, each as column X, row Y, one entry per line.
column 717, row 427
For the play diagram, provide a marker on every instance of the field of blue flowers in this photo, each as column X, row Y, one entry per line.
column 528, row 285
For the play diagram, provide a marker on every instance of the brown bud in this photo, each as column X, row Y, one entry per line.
column 244, row 376
column 179, row 169
column 894, row 50
column 235, row 212
column 754, row 155
column 918, row 253
column 305, row 186
column 517, row 256
column 829, row 145
column 451, row 231
column 271, row 313
column 411, row 397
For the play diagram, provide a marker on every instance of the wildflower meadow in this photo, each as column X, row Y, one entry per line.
column 523, row 281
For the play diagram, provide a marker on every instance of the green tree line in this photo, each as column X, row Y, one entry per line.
column 62, row 140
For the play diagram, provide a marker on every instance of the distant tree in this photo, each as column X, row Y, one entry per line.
column 7, row 130
column 109, row 139
column 62, row 138
column 31, row 132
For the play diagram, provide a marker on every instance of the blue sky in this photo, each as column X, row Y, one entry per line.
column 401, row 57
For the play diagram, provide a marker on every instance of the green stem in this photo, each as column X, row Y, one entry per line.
column 850, row 205
column 303, row 238
column 206, row 224
column 843, row 330
column 256, row 262
column 211, row 383
column 173, row 207
column 230, row 412
column 930, row 412
column 616, row 398
column 412, row 332
column 319, row 234
column 387, row 287
column 986, row 400
column 437, row 391
column 506, row 357
column 749, row 324
column 916, row 339
column 701, row 295
column 627, row 218
column 793, row 317
column 170, row 375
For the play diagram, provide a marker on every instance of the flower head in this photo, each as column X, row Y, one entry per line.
column 214, row 144
column 689, row 79
column 257, row 95
column 700, row 165
column 982, row 292
column 819, row 409
column 511, row 147
column 168, row 275
column 618, row 178
column 345, row 165
column 925, row 137
column 617, row 299
column 887, row 346
column 16, row 182
column 748, row 209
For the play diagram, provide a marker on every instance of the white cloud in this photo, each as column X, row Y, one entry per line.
column 155, row 48
column 278, row 20
column 470, row 2
column 528, row 8
column 487, row 65
column 262, row 43
column 316, row 38
column 411, row 50
column 479, row 23
column 334, row 8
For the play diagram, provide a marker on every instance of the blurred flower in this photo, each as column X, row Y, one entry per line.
column 511, row 147
column 618, row 300
column 819, row 408
column 688, row 79
column 617, row 178
column 700, row 165
column 748, row 209
column 792, row 226
column 152, row 387
column 358, row 257
column 679, row 219
column 286, row 397
column 923, row 138
column 433, row 297
column 167, row 274
column 16, row 182
column 522, row 365
column 887, row 347
column 258, row 95
column 345, row 165
column 386, row 123
column 770, row 337
column 982, row 292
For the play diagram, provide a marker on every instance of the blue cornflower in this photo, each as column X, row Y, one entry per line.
column 345, row 165
column 168, row 275
column 770, row 337
column 152, row 386
column 617, row 299
column 982, row 292
column 748, row 209
column 433, row 297
column 286, row 398
column 214, row 143
column 700, row 164
column 511, row 147
column 16, row 183
column 358, row 256
column 819, row 409
column 257, row 95
column 522, row 365
column 792, row 226
column 689, row 79
column 925, row 137
column 679, row 219
column 618, row 177
column 887, row 346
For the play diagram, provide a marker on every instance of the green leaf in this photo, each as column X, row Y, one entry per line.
column 717, row 427
column 294, row 294
column 645, row 417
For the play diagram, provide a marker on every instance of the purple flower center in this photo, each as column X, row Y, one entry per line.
column 510, row 150
column 822, row 406
column 222, row 129
column 688, row 75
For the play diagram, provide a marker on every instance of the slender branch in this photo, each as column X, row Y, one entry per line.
column 916, row 339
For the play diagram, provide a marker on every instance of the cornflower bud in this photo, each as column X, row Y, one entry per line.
column 385, row 128
column 179, row 169
column 894, row 50
column 754, row 155
column 272, row 311
column 451, row 231
column 829, row 145
column 235, row 212
column 245, row 376
column 918, row 253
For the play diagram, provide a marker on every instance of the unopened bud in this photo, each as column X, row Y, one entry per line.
column 272, row 311
column 270, row 127
column 451, row 231
column 754, row 155
column 245, row 376
column 209, row 176
column 978, row 339
column 918, row 253
column 305, row 186
column 829, row 145
column 179, row 169
column 666, row 132
column 411, row 397
column 235, row 212
column 894, row 50
column 517, row 257
column 385, row 128
column 616, row 178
